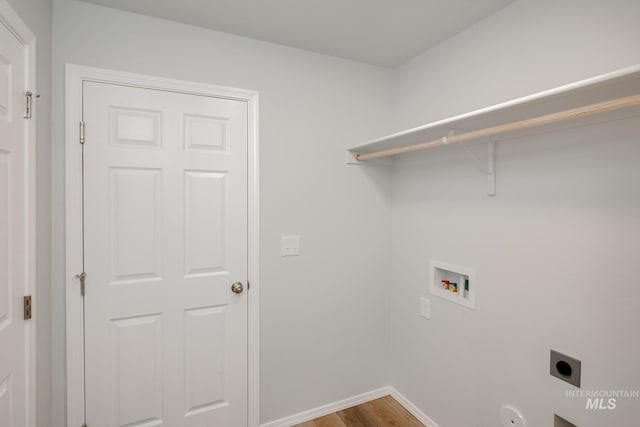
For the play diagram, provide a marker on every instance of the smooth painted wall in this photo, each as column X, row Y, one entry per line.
column 555, row 251
column 324, row 315
column 37, row 15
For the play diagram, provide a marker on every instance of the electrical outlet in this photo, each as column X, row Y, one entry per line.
column 425, row 308
column 290, row 246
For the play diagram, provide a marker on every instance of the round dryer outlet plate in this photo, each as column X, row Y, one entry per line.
column 511, row 417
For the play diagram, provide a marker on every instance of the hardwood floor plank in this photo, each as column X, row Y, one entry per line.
column 382, row 415
column 394, row 412
column 331, row 420
column 355, row 417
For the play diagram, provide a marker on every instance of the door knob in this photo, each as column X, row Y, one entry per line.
column 237, row 288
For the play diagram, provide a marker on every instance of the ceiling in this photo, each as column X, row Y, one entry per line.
column 380, row 32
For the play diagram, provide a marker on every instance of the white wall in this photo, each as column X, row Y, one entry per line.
column 555, row 251
column 325, row 314
column 37, row 15
column 524, row 48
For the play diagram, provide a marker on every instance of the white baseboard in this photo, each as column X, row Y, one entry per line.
column 329, row 409
column 348, row 403
column 409, row 406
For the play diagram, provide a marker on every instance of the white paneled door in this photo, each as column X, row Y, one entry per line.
column 165, row 253
column 15, row 350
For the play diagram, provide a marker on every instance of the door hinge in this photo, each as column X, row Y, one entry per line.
column 81, row 132
column 83, row 281
column 248, row 286
column 27, row 114
column 27, row 307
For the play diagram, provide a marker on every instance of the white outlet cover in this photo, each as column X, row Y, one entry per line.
column 290, row 246
column 425, row 308
column 510, row 416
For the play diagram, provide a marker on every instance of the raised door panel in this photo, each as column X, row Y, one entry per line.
column 135, row 208
column 137, row 370
column 136, row 127
column 205, row 212
column 206, row 133
column 204, row 359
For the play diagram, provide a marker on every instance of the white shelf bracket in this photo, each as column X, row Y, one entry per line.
column 491, row 168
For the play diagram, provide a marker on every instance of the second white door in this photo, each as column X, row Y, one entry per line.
column 165, row 236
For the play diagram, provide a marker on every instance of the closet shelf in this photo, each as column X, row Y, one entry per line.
column 603, row 98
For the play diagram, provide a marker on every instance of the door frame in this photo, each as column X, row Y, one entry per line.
column 14, row 23
column 75, row 76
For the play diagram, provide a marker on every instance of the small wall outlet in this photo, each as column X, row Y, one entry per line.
column 290, row 246
column 425, row 308
column 565, row 368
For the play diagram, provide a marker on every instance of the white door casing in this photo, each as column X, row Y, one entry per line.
column 168, row 184
column 17, row 225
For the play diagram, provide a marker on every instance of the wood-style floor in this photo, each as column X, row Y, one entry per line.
column 383, row 412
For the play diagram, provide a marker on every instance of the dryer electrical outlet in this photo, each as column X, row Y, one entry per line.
column 565, row 367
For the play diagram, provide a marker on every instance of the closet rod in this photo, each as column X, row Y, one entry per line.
column 589, row 110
